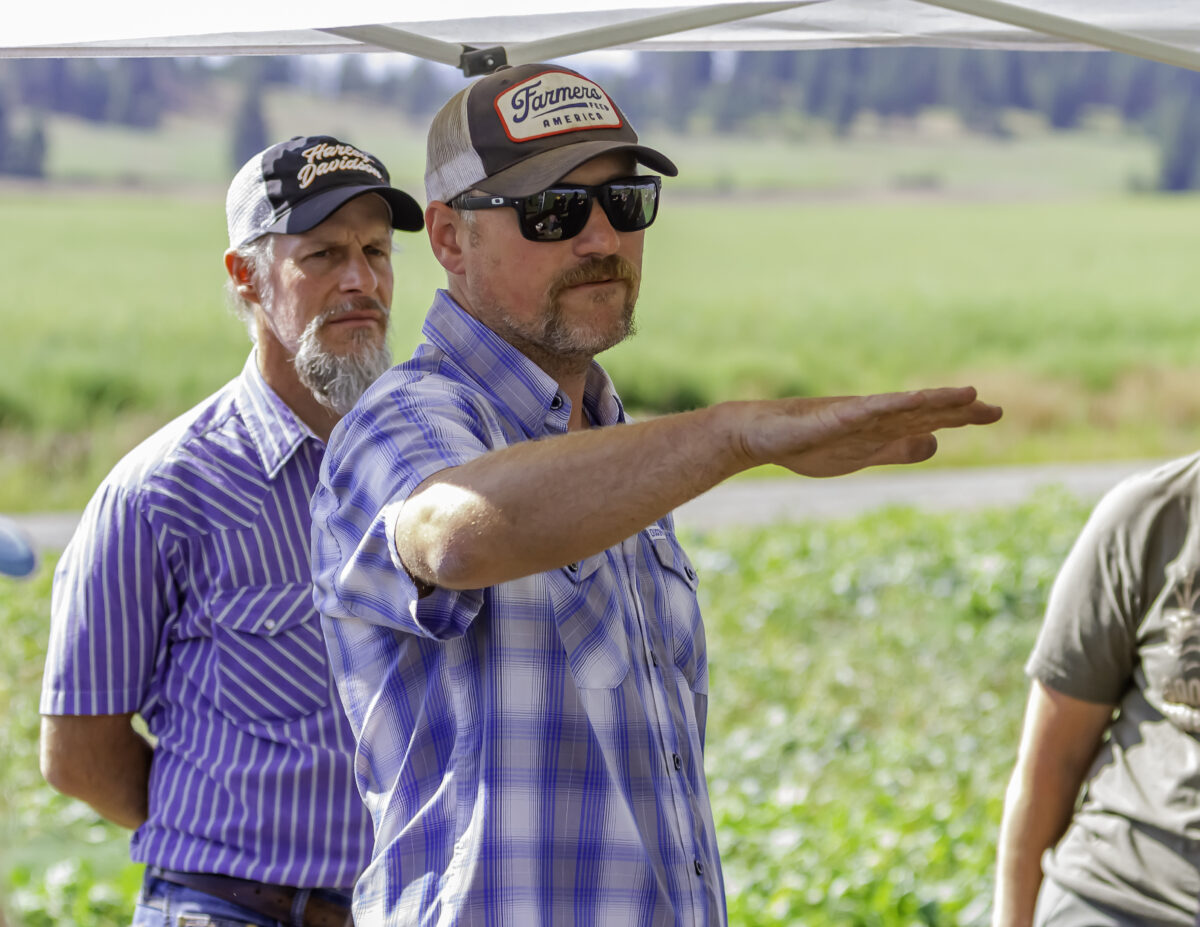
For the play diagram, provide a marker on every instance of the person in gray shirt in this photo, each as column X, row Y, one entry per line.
column 1101, row 823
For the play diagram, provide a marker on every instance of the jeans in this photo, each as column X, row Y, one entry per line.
column 165, row 904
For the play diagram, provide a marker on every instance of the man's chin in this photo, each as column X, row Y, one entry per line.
column 599, row 326
column 588, row 341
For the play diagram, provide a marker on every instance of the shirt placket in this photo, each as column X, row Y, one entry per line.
column 663, row 718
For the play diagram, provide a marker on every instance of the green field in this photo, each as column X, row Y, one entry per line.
column 783, row 262
column 1077, row 315
column 866, row 693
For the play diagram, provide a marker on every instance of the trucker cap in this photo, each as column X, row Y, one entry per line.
column 520, row 129
column 296, row 185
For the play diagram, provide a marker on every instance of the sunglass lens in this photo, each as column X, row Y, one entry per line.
column 632, row 205
column 553, row 215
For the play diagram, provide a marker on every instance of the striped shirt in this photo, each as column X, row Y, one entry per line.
column 185, row 595
column 531, row 753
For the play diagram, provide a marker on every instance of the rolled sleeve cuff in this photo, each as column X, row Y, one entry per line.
column 391, row 514
column 56, row 701
column 1060, row 679
column 382, row 592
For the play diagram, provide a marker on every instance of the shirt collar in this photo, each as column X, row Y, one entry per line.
column 510, row 377
column 274, row 428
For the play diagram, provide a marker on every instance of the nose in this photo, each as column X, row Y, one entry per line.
column 598, row 236
column 358, row 275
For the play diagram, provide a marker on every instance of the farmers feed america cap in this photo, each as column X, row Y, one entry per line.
column 296, row 185
column 520, row 129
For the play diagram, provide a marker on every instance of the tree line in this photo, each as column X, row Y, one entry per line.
column 765, row 89
column 135, row 92
column 744, row 92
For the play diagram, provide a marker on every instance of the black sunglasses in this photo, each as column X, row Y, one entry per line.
column 560, row 212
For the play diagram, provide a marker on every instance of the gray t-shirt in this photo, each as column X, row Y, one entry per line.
column 1122, row 628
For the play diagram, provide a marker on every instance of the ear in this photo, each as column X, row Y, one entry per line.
column 242, row 275
column 447, row 236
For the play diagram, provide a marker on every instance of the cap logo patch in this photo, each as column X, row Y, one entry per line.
column 554, row 103
column 324, row 159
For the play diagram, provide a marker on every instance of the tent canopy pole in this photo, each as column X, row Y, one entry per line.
column 473, row 61
column 1072, row 29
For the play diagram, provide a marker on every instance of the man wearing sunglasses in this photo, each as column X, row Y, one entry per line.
column 512, row 622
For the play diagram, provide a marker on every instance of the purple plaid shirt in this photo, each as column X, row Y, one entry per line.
column 531, row 753
column 185, row 595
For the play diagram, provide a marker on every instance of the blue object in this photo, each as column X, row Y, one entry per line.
column 16, row 554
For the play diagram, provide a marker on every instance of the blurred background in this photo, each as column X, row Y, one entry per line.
column 844, row 221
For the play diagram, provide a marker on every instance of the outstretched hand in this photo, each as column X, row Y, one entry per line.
column 835, row 435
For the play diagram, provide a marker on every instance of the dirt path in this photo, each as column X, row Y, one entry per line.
column 756, row 502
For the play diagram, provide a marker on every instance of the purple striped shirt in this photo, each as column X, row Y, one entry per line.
column 185, row 595
column 532, row 753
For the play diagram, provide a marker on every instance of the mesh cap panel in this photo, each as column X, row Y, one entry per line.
column 452, row 163
column 246, row 210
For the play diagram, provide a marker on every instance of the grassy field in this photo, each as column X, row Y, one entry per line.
column 787, row 262
column 867, row 693
column 866, row 697
column 1077, row 315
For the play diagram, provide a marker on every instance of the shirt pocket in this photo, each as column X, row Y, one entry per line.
column 591, row 623
column 271, row 662
column 679, row 610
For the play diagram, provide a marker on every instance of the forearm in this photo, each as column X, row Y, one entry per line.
column 100, row 760
column 1034, row 820
column 541, row 504
column 538, row 505
column 1058, row 743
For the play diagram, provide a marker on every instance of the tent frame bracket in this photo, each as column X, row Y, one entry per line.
column 476, row 61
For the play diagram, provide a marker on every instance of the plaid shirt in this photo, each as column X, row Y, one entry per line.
column 186, row 595
column 531, row 753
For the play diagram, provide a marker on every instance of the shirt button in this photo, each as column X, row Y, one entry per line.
column 675, row 758
column 691, row 574
column 556, row 402
column 573, row 567
column 654, row 658
column 269, row 624
column 699, row 867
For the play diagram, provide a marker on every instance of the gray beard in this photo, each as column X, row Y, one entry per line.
column 338, row 380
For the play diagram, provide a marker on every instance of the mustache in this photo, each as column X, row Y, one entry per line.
column 358, row 304
column 597, row 270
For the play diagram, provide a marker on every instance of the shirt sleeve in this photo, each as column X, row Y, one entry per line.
column 107, row 612
column 386, row 447
column 1088, row 642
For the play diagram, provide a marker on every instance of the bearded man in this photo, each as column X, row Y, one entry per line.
column 513, row 623
column 185, row 595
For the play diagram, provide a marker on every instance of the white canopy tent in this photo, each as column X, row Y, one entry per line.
column 471, row 35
